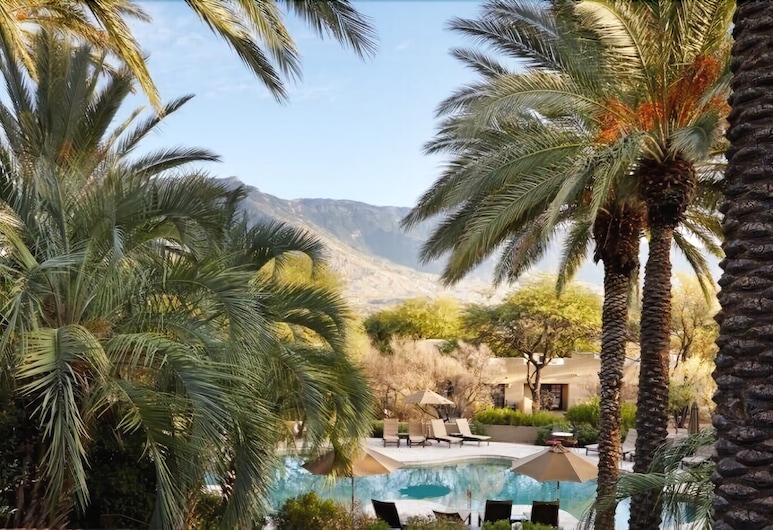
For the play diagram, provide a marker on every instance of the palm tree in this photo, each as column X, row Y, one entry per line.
column 134, row 297
column 742, row 374
column 560, row 146
column 255, row 30
column 686, row 492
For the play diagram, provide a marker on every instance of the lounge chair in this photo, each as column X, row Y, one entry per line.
column 466, row 433
column 416, row 434
column 390, row 432
column 701, row 456
column 497, row 511
column 387, row 512
column 628, row 447
column 545, row 512
column 439, row 433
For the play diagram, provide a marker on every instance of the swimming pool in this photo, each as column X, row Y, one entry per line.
column 460, row 485
column 463, row 485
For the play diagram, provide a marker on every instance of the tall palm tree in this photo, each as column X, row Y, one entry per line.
column 677, row 108
column 254, row 29
column 133, row 297
column 562, row 145
column 743, row 397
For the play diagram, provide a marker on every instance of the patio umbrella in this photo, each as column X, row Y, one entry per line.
column 693, row 426
column 369, row 462
column 556, row 463
column 426, row 397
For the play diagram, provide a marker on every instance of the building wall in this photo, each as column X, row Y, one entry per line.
column 579, row 373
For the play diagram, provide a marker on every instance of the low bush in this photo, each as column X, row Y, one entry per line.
column 505, row 416
column 377, row 428
column 309, row 511
column 499, row 525
column 430, row 523
column 528, row 525
column 586, row 434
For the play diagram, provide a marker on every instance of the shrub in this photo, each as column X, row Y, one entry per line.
column 628, row 416
column 377, row 429
column 545, row 433
column 543, row 418
column 528, row 525
column 588, row 413
column 505, row 416
column 430, row 523
column 208, row 513
column 309, row 511
column 477, row 427
column 586, row 434
column 499, row 525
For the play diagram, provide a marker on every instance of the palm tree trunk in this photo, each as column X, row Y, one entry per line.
column 652, row 403
column 744, row 397
column 613, row 338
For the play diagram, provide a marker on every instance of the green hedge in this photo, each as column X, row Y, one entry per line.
column 590, row 413
column 505, row 416
column 377, row 428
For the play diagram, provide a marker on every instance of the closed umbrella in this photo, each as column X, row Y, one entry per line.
column 556, row 463
column 693, row 427
column 368, row 463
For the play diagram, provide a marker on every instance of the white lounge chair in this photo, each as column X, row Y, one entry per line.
column 466, row 433
column 416, row 434
column 439, row 433
column 390, row 432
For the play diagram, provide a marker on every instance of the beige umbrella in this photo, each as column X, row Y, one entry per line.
column 369, row 462
column 693, row 426
column 426, row 397
column 556, row 463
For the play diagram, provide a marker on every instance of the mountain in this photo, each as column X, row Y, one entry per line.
column 378, row 261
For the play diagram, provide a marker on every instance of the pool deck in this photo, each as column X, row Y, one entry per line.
column 440, row 452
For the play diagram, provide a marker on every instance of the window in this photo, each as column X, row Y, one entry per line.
column 498, row 395
column 559, row 394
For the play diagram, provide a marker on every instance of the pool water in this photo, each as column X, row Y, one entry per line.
column 463, row 485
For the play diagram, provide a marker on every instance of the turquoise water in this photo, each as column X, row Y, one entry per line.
column 447, row 484
column 461, row 485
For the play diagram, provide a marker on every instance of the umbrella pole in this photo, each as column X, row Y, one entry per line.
column 558, row 490
column 352, row 493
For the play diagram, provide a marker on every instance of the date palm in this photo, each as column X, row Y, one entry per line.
column 254, row 29
column 562, row 146
column 133, row 296
column 743, row 397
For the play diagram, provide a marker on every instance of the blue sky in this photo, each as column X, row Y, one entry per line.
column 352, row 129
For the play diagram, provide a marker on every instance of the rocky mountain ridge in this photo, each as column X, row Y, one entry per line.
column 377, row 259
